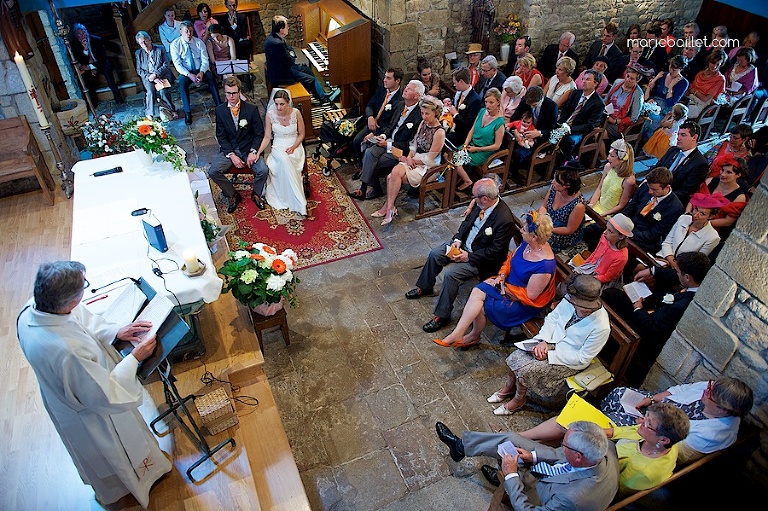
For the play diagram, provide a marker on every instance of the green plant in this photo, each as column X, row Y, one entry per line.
column 152, row 137
column 257, row 274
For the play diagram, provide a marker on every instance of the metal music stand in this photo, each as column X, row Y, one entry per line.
column 177, row 407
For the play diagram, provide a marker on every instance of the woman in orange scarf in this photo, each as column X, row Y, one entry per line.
column 528, row 280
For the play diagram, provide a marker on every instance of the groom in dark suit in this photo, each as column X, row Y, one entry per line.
column 239, row 130
column 656, row 317
column 482, row 243
column 688, row 166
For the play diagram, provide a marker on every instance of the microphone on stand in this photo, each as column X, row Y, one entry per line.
column 135, row 281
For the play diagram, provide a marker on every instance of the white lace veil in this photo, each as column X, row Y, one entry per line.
column 271, row 104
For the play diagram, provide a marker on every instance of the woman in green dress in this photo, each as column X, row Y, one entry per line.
column 485, row 137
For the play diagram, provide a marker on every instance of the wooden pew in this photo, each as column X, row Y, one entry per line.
column 21, row 156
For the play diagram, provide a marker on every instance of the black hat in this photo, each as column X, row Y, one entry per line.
column 603, row 58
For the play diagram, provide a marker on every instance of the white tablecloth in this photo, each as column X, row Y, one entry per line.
column 111, row 243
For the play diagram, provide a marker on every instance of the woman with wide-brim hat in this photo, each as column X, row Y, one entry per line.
column 578, row 328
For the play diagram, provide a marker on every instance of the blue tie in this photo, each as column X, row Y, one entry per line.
column 548, row 470
column 191, row 59
column 677, row 161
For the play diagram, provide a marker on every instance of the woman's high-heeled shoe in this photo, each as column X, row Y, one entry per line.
column 391, row 213
column 378, row 214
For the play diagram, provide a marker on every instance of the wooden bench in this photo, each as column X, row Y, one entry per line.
column 21, row 157
column 617, row 353
column 746, row 434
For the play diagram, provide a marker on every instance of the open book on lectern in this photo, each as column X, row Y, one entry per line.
column 225, row 67
column 141, row 302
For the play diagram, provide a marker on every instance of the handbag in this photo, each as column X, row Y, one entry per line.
column 593, row 376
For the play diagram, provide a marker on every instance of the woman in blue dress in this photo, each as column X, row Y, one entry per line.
column 528, row 278
column 485, row 137
column 665, row 89
column 566, row 206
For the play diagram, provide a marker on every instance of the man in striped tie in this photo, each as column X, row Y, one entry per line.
column 581, row 474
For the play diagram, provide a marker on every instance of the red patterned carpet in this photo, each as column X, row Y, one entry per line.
column 334, row 228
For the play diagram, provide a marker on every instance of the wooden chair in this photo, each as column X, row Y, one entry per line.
column 591, row 144
column 632, row 135
column 706, row 120
column 737, row 113
column 542, row 161
column 762, row 116
column 491, row 166
column 441, row 179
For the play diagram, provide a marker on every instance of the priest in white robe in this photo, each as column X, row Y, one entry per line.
column 91, row 395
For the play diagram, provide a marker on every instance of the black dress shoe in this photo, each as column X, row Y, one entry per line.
column 233, row 202
column 187, row 118
column 491, row 474
column 357, row 194
column 258, row 201
column 417, row 292
column 455, row 446
column 435, row 324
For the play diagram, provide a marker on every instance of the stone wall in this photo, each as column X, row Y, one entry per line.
column 723, row 330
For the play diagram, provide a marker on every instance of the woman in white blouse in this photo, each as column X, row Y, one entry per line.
column 561, row 85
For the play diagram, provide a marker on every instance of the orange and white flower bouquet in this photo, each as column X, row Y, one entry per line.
column 152, row 137
column 256, row 274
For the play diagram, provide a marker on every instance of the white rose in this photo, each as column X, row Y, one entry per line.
column 462, row 107
column 409, row 125
column 668, row 299
column 488, row 231
column 388, row 107
column 657, row 216
column 243, row 123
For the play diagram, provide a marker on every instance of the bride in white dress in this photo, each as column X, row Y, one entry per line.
column 286, row 159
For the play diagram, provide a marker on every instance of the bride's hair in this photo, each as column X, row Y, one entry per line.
column 283, row 94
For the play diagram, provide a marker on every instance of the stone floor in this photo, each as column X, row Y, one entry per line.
column 361, row 385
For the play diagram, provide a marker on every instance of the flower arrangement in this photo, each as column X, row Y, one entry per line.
column 104, row 136
column 256, row 274
column 558, row 133
column 648, row 108
column 509, row 29
column 151, row 136
column 347, row 128
column 210, row 228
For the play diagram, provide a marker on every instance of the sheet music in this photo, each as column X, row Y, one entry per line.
column 156, row 311
column 126, row 306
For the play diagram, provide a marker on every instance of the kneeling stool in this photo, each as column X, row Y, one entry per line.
column 261, row 323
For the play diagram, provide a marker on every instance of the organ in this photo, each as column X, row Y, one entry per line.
column 336, row 40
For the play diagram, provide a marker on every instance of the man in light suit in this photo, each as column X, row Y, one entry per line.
column 377, row 113
column 587, row 460
column 377, row 156
column 239, row 131
column 465, row 107
column 190, row 58
column 653, row 318
column 554, row 52
column 482, row 242
column 688, row 166
column 583, row 112
column 544, row 112
column 490, row 76
column 153, row 66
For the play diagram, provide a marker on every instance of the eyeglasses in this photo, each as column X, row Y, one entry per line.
column 478, row 197
column 87, row 284
column 232, row 93
column 646, row 424
column 571, row 448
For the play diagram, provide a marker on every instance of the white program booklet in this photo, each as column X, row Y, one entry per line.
column 637, row 290
column 156, row 311
column 528, row 344
column 630, row 400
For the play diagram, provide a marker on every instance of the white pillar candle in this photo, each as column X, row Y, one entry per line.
column 190, row 259
column 31, row 91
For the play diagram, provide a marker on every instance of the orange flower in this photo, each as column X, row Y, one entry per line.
column 278, row 266
column 144, row 129
column 269, row 250
column 257, row 257
column 163, row 134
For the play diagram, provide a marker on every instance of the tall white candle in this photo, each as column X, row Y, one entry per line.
column 31, row 90
column 190, row 259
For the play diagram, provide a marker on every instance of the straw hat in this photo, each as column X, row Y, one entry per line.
column 474, row 48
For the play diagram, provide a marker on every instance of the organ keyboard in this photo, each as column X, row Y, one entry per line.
column 317, row 54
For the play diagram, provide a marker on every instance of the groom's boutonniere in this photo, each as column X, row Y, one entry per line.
column 409, row 125
column 388, row 107
column 488, row 231
column 657, row 216
column 462, row 106
column 243, row 123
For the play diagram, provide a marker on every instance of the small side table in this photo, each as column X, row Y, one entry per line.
column 261, row 323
